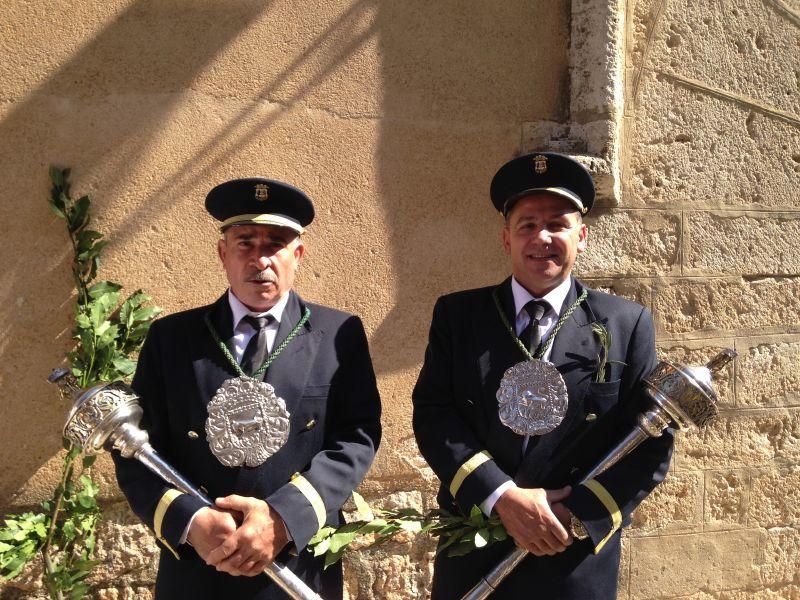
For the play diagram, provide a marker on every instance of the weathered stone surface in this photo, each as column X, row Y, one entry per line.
column 699, row 352
column 775, row 497
column 714, row 120
column 781, row 557
column 676, row 505
column 677, row 565
column 746, row 40
column 741, row 243
column 768, row 372
column 632, row 289
column 741, row 439
column 697, row 307
column 727, row 496
column 649, row 239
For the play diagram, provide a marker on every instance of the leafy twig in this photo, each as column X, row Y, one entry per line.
column 461, row 535
column 107, row 334
column 603, row 362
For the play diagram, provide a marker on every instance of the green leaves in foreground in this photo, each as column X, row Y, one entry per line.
column 106, row 332
column 460, row 535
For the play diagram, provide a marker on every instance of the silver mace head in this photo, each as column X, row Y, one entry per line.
column 102, row 417
column 686, row 393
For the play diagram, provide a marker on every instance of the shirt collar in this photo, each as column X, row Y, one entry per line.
column 240, row 311
column 555, row 297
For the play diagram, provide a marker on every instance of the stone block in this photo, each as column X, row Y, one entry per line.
column 676, row 505
column 768, row 372
column 699, row 352
column 727, row 494
column 742, row 439
column 692, row 147
column 696, row 307
column 631, row 243
column 631, row 289
column 736, row 45
column 675, row 566
column 775, row 497
column 779, row 562
column 741, row 243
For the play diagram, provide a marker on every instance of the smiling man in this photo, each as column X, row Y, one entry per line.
column 519, row 397
column 265, row 401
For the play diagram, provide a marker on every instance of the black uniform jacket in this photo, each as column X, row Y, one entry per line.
column 458, row 431
column 325, row 377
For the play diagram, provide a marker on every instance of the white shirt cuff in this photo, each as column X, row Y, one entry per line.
column 185, row 533
column 488, row 505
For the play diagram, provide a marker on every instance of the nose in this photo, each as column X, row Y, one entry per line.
column 262, row 262
column 542, row 235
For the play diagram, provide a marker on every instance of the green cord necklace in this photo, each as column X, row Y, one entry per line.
column 272, row 355
column 550, row 338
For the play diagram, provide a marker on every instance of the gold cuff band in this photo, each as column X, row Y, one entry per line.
column 611, row 506
column 466, row 469
column 302, row 484
column 161, row 510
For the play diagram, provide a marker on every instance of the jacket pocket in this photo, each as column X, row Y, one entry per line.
column 601, row 397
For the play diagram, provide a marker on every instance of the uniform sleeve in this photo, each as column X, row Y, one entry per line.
column 352, row 434
column 165, row 510
column 441, row 428
column 605, row 502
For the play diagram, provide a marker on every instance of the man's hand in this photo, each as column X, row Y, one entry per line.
column 257, row 541
column 210, row 527
column 529, row 519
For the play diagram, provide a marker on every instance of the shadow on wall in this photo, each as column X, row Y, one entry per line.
column 455, row 89
column 147, row 49
column 459, row 80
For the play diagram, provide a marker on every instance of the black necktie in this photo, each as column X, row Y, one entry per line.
column 256, row 352
column 530, row 335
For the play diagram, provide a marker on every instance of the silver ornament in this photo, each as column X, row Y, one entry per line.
column 532, row 398
column 247, row 422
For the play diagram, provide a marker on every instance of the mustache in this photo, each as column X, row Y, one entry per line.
column 266, row 275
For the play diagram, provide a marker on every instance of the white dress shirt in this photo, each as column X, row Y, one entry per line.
column 555, row 301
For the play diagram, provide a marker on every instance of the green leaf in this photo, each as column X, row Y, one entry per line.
column 146, row 313
column 78, row 216
column 322, row 547
column 499, row 533
column 102, row 288
column 332, row 558
column 363, row 509
column 482, row 537
column 56, row 176
column 56, row 209
column 476, row 517
column 321, row 534
column 88, row 460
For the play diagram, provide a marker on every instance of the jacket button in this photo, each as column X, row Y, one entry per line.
column 192, row 435
column 591, row 417
column 311, row 423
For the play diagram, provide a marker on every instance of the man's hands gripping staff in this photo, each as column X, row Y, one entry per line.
column 536, row 519
column 238, row 549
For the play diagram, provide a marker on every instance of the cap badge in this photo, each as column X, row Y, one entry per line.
column 262, row 191
column 540, row 164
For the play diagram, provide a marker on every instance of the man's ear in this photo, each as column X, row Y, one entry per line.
column 221, row 249
column 505, row 234
column 299, row 251
column 582, row 235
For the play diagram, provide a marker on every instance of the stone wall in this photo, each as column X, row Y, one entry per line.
column 394, row 116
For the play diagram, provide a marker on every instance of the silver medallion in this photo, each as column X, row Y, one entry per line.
column 247, row 422
column 532, row 398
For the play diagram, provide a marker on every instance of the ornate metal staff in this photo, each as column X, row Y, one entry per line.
column 680, row 395
column 106, row 417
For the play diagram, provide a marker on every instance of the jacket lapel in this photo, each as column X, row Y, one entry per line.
column 572, row 354
column 499, row 352
column 212, row 367
column 290, row 369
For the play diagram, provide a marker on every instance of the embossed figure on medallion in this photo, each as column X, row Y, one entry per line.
column 532, row 398
column 247, row 422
